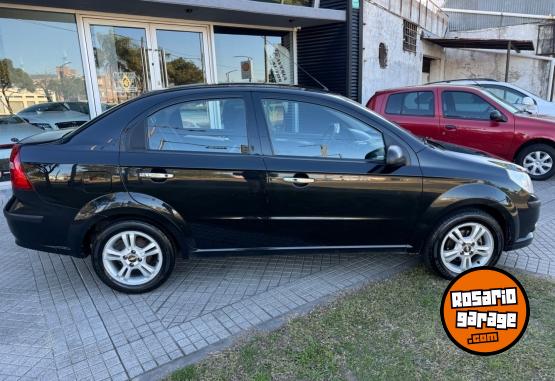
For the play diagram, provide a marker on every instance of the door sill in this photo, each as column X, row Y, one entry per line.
column 281, row 249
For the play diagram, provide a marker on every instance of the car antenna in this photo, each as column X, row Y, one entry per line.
column 324, row 87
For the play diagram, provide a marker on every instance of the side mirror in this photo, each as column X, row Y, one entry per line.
column 497, row 116
column 395, row 157
column 529, row 104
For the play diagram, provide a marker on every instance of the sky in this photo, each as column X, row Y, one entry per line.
column 39, row 46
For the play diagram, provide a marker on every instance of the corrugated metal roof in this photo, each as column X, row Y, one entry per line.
column 461, row 22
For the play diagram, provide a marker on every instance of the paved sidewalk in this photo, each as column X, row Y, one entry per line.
column 58, row 321
column 539, row 257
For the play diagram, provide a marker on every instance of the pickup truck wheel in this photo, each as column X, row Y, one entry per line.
column 538, row 160
column 133, row 256
column 464, row 240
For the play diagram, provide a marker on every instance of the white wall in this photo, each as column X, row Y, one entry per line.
column 403, row 68
column 529, row 73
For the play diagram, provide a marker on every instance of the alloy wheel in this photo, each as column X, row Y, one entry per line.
column 538, row 163
column 132, row 258
column 466, row 246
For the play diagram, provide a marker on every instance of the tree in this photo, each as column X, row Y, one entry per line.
column 183, row 72
column 11, row 78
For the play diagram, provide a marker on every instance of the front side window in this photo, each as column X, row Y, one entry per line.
column 510, row 95
column 418, row 103
column 310, row 130
column 200, row 126
column 465, row 105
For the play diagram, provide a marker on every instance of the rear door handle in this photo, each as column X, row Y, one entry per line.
column 298, row 180
column 155, row 175
column 450, row 127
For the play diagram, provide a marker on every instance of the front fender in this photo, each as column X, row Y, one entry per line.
column 128, row 205
column 477, row 195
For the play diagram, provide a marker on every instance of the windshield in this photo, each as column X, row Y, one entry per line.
column 509, row 107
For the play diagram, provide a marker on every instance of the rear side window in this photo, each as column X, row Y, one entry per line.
column 416, row 103
column 200, row 126
column 465, row 105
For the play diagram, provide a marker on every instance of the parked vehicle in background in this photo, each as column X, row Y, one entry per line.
column 12, row 130
column 510, row 93
column 229, row 169
column 475, row 118
column 56, row 115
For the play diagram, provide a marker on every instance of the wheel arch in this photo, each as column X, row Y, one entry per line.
column 529, row 143
column 484, row 197
column 108, row 209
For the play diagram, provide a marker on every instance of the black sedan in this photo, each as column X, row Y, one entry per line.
column 228, row 169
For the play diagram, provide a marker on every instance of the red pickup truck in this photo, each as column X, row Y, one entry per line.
column 471, row 117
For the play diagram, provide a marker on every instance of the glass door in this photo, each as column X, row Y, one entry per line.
column 180, row 56
column 128, row 59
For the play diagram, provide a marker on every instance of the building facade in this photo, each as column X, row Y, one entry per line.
column 394, row 53
column 531, row 20
column 79, row 58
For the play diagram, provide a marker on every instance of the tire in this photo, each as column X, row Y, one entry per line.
column 145, row 252
column 530, row 155
column 440, row 248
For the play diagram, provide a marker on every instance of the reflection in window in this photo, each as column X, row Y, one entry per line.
column 305, row 129
column 246, row 55
column 181, row 57
column 200, row 126
column 120, row 56
column 40, row 64
column 464, row 105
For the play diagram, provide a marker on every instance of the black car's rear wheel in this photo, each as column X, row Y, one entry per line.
column 133, row 256
column 464, row 240
column 538, row 160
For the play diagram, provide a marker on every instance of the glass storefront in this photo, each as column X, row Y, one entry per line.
column 42, row 81
column 129, row 63
column 250, row 55
column 41, row 72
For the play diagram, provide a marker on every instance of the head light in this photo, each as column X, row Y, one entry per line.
column 521, row 178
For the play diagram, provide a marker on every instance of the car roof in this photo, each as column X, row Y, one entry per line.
column 475, row 80
column 443, row 86
column 241, row 86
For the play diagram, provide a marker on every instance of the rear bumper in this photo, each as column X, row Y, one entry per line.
column 527, row 219
column 43, row 231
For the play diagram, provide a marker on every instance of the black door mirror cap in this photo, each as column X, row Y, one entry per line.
column 497, row 116
column 395, row 157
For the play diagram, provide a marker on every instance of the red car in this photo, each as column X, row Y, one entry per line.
column 474, row 118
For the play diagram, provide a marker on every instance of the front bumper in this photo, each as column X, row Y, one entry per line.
column 527, row 219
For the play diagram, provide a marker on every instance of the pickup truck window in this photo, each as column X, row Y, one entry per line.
column 416, row 103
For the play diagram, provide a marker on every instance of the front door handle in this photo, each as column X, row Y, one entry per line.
column 298, row 180
column 155, row 175
column 450, row 127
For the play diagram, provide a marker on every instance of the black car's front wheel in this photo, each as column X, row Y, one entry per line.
column 462, row 241
column 133, row 256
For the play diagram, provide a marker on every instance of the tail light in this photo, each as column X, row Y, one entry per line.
column 17, row 174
